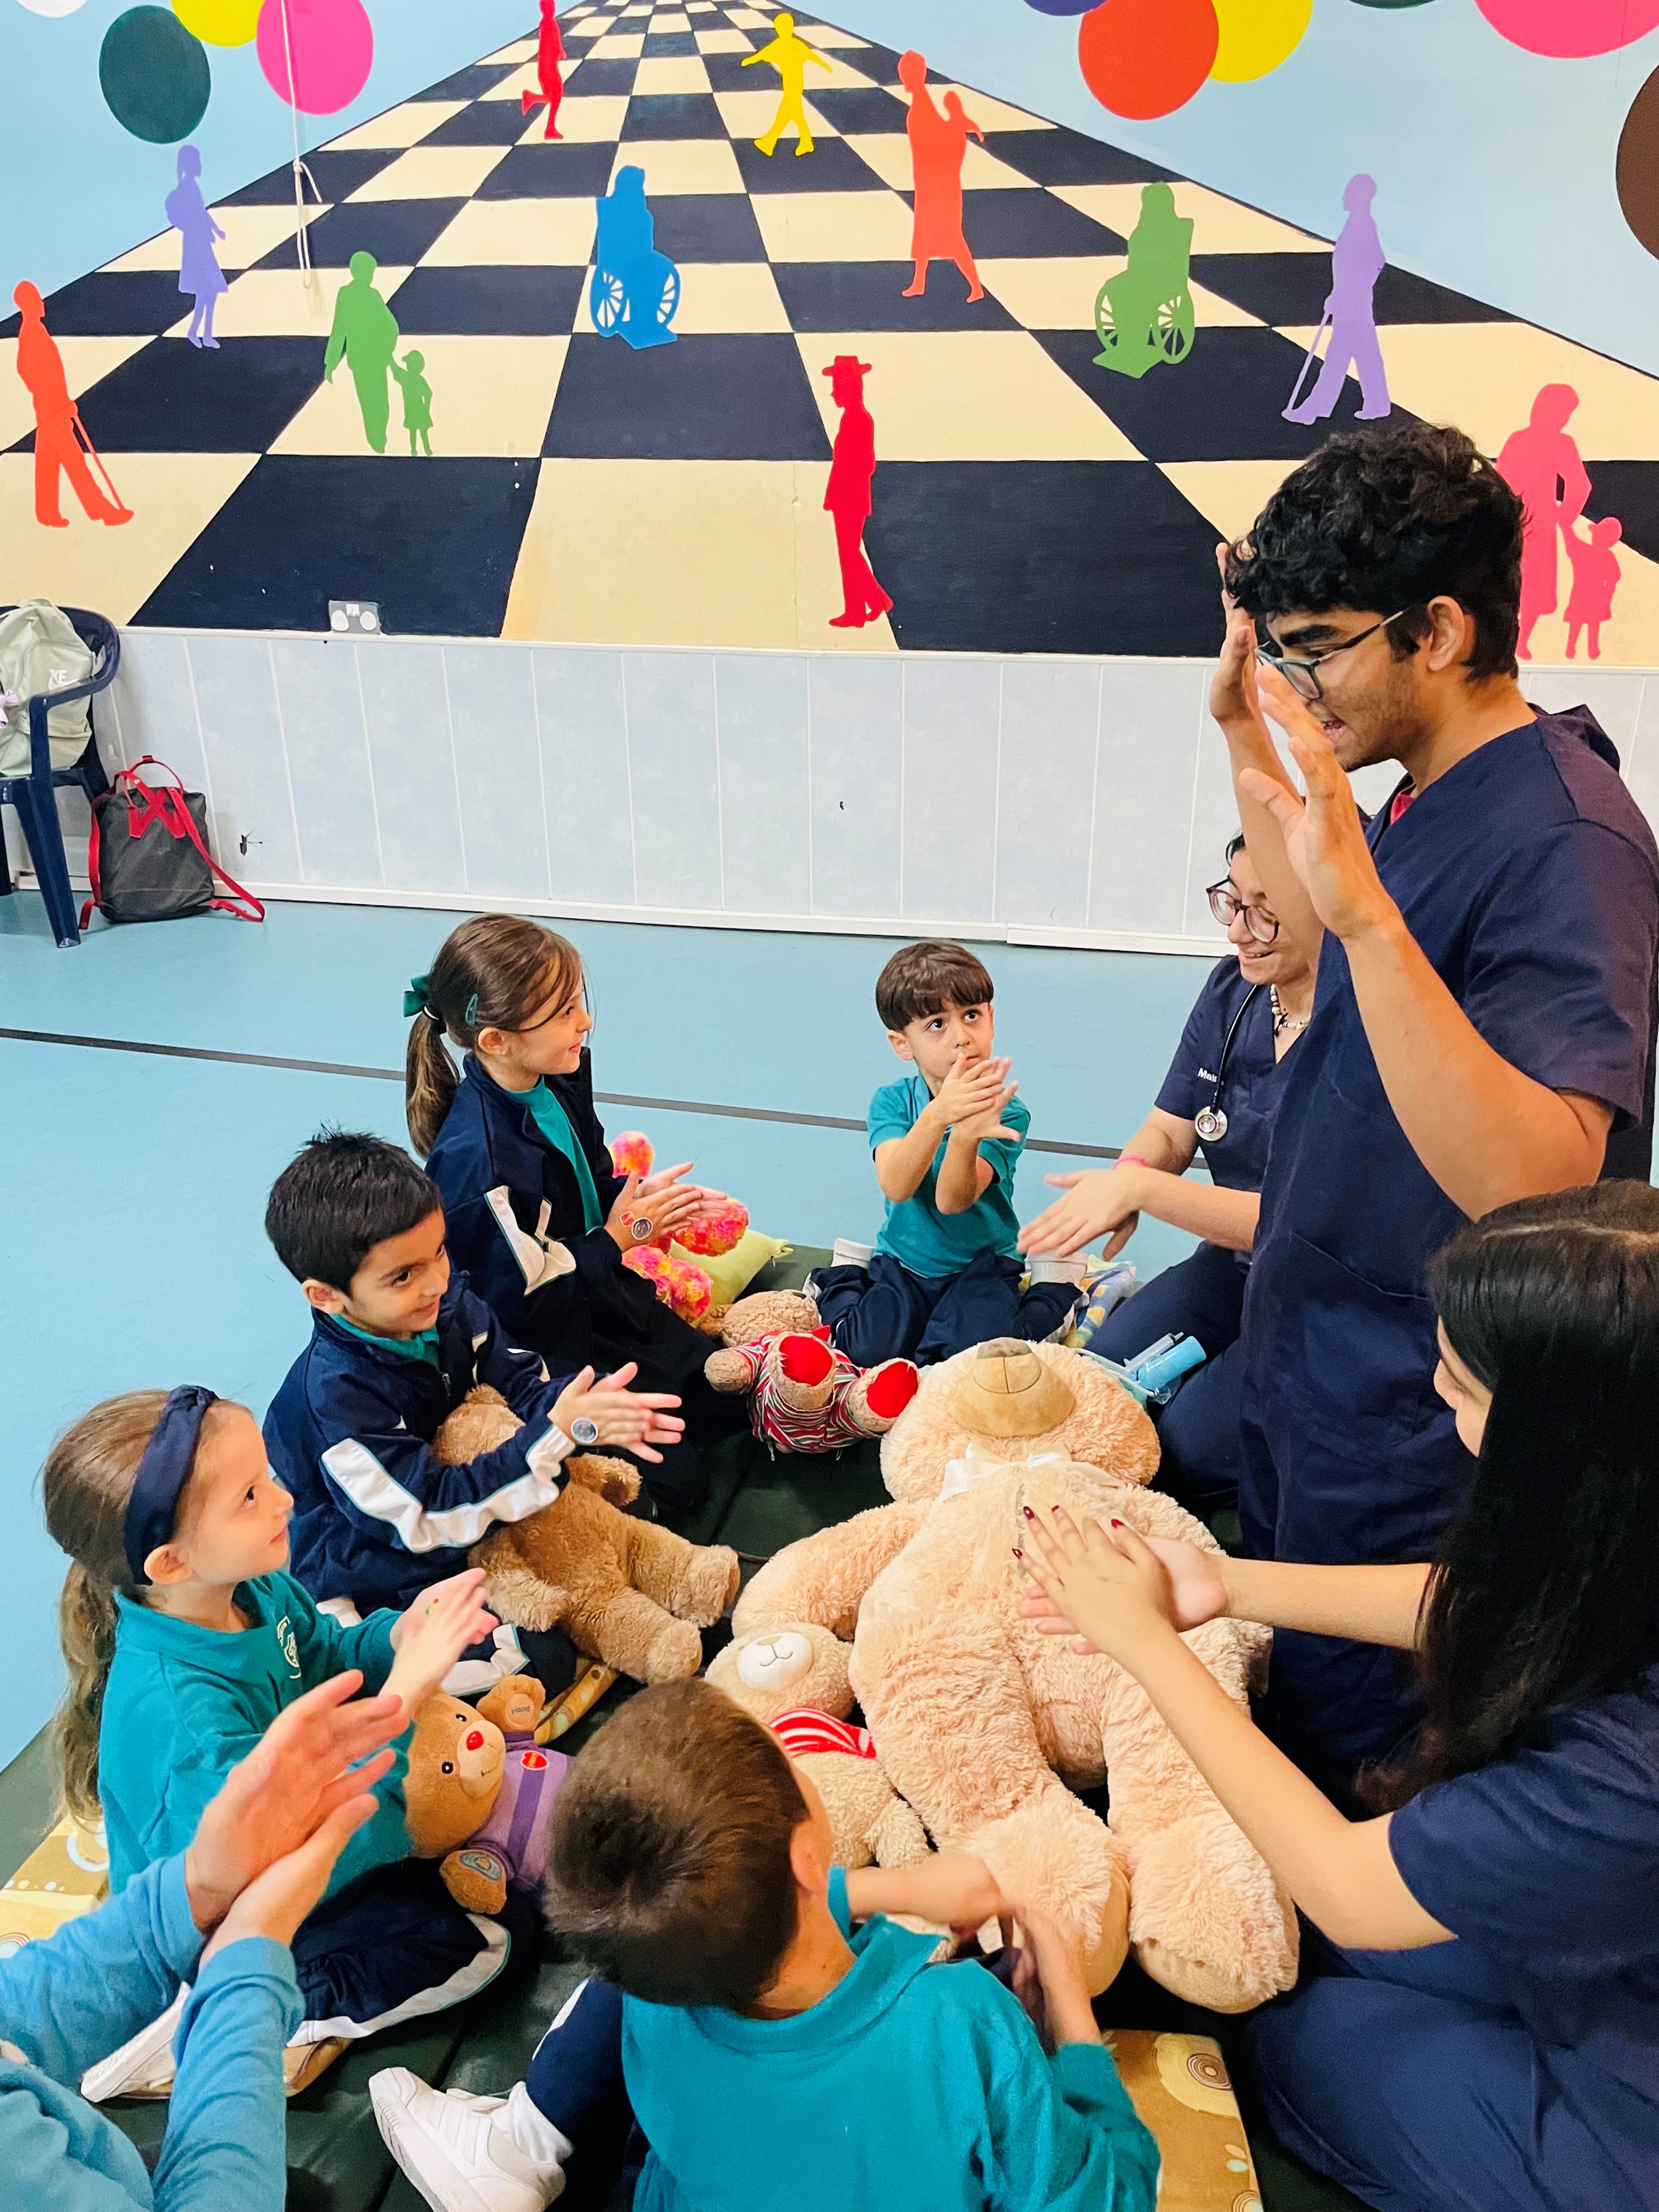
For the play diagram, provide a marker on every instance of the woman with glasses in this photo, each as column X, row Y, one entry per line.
column 1219, row 1098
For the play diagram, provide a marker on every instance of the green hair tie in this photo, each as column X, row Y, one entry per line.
column 417, row 999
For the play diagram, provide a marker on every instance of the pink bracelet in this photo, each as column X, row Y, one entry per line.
column 1131, row 1160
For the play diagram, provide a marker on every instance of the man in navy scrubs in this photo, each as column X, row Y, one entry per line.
column 1485, row 1022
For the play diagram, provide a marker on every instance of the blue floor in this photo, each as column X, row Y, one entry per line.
column 132, row 1186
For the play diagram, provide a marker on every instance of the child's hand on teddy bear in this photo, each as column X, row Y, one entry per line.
column 636, row 1419
column 433, row 1634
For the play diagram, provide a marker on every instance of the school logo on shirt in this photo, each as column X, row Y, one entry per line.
column 289, row 1648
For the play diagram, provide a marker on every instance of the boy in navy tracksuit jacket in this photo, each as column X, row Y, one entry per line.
column 397, row 1344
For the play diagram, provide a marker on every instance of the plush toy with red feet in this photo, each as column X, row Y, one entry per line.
column 805, row 1397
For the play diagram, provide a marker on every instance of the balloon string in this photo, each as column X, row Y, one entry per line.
column 303, row 175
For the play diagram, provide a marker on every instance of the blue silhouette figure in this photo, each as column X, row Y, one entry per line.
column 636, row 290
column 198, row 268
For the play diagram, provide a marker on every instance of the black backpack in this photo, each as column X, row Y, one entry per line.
column 148, row 854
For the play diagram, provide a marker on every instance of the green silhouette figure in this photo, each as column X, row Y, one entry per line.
column 418, row 401
column 789, row 55
column 1144, row 315
column 366, row 331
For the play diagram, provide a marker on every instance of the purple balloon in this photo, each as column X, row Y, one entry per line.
column 1063, row 7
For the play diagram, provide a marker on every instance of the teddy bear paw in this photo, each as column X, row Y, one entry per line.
column 674, row 1655
column 709, row 1585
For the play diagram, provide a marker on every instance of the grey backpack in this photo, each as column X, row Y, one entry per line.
column 41, row 651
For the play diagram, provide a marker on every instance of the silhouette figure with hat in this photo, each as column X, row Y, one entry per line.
column 846, row 495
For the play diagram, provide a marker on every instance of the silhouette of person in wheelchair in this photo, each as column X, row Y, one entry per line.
column 1144, row 315
column 636, row 290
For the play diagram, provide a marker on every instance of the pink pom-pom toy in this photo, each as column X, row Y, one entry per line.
column 632, row 1152
column 712, row 1235
column 681, row 1285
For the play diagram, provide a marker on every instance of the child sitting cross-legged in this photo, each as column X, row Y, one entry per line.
column 396, row 1343
column 945, row 1273
column 185, row 1640
column 779, row 2041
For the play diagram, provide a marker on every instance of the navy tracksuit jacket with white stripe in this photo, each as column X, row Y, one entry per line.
column 377, row 1517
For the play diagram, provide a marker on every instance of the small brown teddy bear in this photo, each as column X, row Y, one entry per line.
column 479, row 1791
column 792, row 1676
column 625, row 1591
column 804, row 1396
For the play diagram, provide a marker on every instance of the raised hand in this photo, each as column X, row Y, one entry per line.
column 279, row 1900
column 636, row 1419
column 974, row 1090
column 1324, row 837
column 318, row 1756
column 662, row 1209
column 433, row 1634
column 1098, row 1201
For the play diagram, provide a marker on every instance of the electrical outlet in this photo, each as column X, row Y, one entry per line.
column 363, row 616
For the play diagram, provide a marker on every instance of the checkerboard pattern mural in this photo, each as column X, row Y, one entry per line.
column 1025, row 498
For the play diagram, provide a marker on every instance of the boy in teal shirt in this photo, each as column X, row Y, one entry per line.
column 945, row 1273
column 775, row 2053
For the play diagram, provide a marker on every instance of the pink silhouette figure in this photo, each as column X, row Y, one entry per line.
column 1595, row 568
column 938, row 144
column 1542, row 463
column 550, row 52
column 1357, row 261
column 58, row 435
column 846, row 495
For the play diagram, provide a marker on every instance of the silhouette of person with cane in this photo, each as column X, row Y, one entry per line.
column 1357, row 261
column 846, row 495
column 938, row 143
column 59, row 435
column 789, row 55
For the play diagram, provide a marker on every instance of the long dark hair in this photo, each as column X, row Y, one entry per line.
column 491, row 973
column 1546, row 1589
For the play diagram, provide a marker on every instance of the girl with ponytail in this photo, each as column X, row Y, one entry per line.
column 534, row 1211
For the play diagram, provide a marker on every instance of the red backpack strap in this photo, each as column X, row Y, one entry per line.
column 186, row 821
column 97, row 898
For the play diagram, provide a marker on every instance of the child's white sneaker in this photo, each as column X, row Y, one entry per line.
column 468, row 2154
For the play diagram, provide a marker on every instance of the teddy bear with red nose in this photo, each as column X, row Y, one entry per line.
column 479, row 1791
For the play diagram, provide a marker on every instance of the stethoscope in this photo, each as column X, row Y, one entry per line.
column 1211, row 1120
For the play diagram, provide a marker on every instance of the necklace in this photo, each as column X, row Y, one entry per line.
column 1283, row 1022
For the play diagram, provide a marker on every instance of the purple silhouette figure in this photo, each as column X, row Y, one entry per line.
column 1357, row 261
column 198, row 269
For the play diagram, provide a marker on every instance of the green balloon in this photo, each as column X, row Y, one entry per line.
column 155, row 75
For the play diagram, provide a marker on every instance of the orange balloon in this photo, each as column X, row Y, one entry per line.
column 1146, row 58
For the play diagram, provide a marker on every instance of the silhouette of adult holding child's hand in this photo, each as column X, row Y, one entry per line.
column 938, row 146
column 366, row 332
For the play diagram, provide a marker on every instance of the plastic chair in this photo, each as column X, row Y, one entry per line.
column 33, row 795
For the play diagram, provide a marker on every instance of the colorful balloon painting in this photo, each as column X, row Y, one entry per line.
column 154, row 76
column 1146, row 58
column 331, row 43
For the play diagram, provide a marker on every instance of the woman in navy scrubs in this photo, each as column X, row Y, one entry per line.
column 1219, row 1098
column 1476, row 2028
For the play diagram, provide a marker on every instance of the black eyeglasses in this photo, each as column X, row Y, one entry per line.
column 1226, row 905
column 1303, row 675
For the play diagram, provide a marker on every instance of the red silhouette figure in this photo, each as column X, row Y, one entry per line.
column 1595, row 568
column 1542, row 463
column 550, row 52
column 937, row 144
column 846, row 495
column 58, row 435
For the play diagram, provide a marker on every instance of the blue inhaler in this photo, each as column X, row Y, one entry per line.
column 1158, row 1369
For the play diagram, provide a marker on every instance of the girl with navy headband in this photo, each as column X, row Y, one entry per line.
column 185, row 1639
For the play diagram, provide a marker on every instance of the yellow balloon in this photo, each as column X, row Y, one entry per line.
column 1256, row 35
column 220, row 23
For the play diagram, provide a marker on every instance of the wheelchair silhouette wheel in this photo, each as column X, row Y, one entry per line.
column 670, row 300
column 607, row 302
column 1172, row 333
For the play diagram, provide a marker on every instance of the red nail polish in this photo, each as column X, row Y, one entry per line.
column 1027, row 1511
column 1053, row 1509
column 1019, row 1554
column 1116, row 1523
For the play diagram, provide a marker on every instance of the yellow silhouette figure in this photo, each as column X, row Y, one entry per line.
column 789, row 55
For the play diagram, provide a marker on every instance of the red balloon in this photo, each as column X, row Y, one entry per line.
column 1146, row 58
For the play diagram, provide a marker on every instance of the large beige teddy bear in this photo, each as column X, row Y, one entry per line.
column 788, row 1677
column 981, row 1721
column 623, row 1590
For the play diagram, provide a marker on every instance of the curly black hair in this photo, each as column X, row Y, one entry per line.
column 1381, row 519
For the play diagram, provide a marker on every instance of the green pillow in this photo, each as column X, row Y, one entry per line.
column 735, row 1270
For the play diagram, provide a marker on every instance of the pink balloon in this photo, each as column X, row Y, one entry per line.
column 1566, row 30
column 332, row 43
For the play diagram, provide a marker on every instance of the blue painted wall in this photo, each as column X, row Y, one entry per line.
column 1496, row 167
column 76, row 189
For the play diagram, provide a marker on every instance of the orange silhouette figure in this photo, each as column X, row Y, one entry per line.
column 1595, row 568
column 58, row 435
column 1542, row 463
column 550, row 52
column 846, row 495
column 938, row 144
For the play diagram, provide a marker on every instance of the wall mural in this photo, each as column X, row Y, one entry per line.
column 902, row 365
